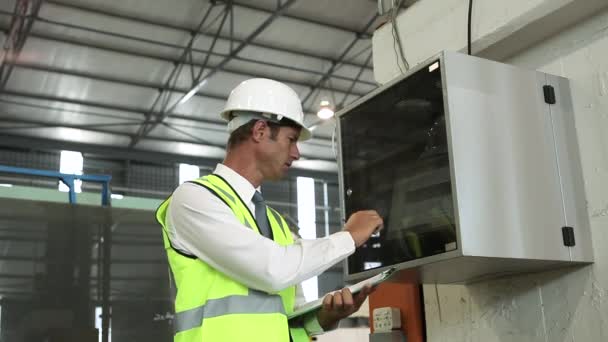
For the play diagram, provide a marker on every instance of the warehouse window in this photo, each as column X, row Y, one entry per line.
column 188, row 172
column 308, row 227
column 326, row 208
column 71, row 163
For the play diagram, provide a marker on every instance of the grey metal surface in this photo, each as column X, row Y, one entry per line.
column 503, row 155
column 516, row 174
column 470, row 270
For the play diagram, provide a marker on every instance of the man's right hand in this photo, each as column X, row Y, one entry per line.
column 362, row 224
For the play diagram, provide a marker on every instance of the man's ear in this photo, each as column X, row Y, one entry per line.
column 259, row 130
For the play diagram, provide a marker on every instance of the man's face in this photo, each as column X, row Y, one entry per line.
column 277, row 154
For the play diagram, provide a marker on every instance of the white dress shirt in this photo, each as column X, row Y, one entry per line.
column 202, row 225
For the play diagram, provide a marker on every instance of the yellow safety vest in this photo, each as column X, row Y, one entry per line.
column 209, row 305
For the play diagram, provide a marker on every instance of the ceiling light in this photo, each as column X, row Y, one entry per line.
column 117, row 196
column 5, row 185
column 325, row 111
column 191, row 93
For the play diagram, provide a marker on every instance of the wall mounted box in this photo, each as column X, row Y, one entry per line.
column 473, row 165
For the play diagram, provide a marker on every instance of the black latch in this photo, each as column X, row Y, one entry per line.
column 568, row 235
column 549, row 94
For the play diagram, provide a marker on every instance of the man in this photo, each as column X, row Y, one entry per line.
column 234, row 263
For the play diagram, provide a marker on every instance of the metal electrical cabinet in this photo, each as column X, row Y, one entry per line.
column 474, row 167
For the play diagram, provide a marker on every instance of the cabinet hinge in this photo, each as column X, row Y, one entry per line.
column 568, row 235
column 549, row 93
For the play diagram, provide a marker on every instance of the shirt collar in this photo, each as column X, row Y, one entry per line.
column 241, row 185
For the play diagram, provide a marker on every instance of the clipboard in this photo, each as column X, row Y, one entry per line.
column 316, row 304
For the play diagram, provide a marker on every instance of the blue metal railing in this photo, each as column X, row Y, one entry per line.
column 68, row 180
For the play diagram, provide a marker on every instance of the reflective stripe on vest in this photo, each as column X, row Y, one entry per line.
column 205, row 295
column 255, row 303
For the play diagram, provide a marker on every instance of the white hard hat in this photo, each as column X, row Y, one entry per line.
column 262, row 98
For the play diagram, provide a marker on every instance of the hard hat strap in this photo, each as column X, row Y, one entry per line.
column 240, row 118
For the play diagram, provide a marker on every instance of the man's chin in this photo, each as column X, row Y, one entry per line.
column 281, row 174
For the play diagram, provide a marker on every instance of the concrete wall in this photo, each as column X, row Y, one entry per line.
column 565, row 305
column 499, row 28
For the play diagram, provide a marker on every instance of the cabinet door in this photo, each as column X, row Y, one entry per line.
column 394, row 159
column 503, row 152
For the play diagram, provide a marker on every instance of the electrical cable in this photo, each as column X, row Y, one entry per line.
column 396, row 39
column 469, row 26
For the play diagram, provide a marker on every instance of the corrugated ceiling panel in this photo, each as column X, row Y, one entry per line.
column 317, row 40
column 71, row 134
column 121, row 27
column 189, row 149
column 284, row 58
column 198, row 107
column 202, row 45
column 272, row 72
column 301, row 61
column 191, row 133
column 178, row 13
column 214, row 127
column 354, row 15
column 78, row 88
column 124, row 74
column 41, row 29
column 86, row 112
column 360, row 52
column 20, row 111
column 351, row 71
column 7, row 5
column 107, row 23
column 94, row 61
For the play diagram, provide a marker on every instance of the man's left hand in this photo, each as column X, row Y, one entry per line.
column 340, row 304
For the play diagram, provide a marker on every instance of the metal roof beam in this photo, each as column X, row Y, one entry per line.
column 302, row 19
column 119, row 108
column 277, row 13
column 19, row 29
column 177, row 68
column 340, row 59
column 166, row 59
column 189, row 30
column 108, row 106
column 113, row 151
column 141, row 84
column 111, row 79
column 34, row 124
column 341, row 104
column 352, row 85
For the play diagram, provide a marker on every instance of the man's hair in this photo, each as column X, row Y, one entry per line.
column 241, row 134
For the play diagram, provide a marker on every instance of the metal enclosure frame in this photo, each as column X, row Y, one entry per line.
column 475, row 258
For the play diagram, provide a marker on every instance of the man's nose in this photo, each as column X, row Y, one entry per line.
column 295, row 152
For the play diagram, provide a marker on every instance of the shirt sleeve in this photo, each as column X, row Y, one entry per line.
column 201, row 224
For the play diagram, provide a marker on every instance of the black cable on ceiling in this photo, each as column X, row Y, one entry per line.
column 397, row 46
column 469, row 26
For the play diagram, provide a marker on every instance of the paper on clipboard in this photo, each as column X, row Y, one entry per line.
column 315, row 304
